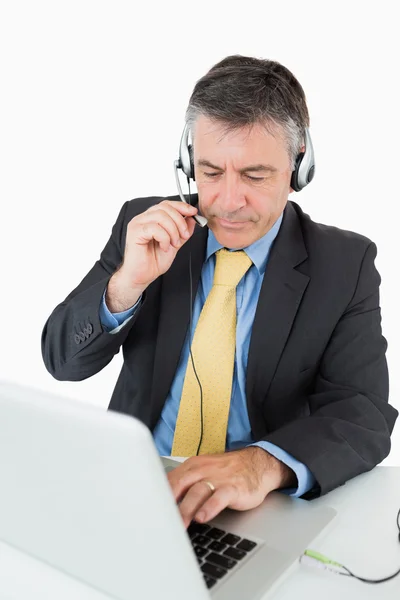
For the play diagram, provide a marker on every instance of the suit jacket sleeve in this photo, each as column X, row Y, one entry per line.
column 74, row 343
column 348, row 429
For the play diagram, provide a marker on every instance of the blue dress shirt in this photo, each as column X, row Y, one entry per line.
column 247, row 293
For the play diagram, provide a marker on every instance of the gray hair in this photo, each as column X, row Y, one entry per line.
column 241, row 91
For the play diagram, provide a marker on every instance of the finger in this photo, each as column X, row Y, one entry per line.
column 191, row 224
column 193, row 501
column 177, row 217
column 161, row 217
column 154, row 231
column 184, row 208
column 184, row 477
column 216, row 503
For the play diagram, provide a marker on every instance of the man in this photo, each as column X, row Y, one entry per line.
column 281, row 380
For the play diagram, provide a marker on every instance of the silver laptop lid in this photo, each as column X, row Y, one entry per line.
column 84, row 490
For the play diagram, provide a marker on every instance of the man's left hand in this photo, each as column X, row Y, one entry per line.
column 241, row 478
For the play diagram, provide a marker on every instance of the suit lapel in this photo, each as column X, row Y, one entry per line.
column 175, row 316
column 280, row 296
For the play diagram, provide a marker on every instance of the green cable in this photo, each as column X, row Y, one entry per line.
column 322, row 558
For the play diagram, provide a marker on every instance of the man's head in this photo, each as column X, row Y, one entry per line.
column 247, row 119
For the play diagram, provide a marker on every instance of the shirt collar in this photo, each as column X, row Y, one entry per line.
column 257, row 252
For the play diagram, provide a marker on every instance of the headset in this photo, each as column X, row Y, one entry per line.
column 302, row 173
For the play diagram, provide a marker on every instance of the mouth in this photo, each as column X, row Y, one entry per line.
column 232, row 224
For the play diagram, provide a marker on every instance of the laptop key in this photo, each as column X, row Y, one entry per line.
column 246, row 545
column 221, row 561
column 201, row 540
column 209, row 581
column 234, row 553
column 230, row 539
column 196, row 528
column 217, row 546
column 213, row 570
column 215, row 533
column 200, row 551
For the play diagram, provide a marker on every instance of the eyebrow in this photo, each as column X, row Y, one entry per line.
column 254, row 168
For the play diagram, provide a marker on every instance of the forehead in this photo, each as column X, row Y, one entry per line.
column 212, row 141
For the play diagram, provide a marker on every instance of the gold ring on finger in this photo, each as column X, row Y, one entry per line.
column 210, row 485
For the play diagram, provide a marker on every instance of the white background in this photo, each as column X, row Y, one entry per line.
column 92, row 105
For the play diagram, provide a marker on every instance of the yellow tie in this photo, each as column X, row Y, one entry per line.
column 213, row 350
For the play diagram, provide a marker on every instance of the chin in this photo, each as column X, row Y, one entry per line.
column 233, row 239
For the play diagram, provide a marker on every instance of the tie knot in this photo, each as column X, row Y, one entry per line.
column 230, row 267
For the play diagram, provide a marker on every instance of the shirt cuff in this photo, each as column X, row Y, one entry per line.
column 305, row 478
column 113, row 322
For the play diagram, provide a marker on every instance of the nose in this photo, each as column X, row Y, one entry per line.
column 231, row 196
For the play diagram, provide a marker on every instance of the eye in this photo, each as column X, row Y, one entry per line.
column 255, row 178
column 211, row 175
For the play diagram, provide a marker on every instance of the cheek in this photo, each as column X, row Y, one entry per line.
column 261, row 204
column 206, row 195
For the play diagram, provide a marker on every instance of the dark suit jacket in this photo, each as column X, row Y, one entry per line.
column 317, row 380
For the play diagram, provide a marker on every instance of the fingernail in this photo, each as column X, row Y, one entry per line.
column 200, row 516
column 186, row 233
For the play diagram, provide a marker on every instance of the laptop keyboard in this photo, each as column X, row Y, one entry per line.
column 217, row 550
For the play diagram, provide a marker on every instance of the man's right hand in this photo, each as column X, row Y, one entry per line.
column 153, row 239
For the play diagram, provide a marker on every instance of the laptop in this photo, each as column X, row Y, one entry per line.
column 84, row 490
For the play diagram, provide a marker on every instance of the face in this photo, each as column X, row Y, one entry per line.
column 243, row 180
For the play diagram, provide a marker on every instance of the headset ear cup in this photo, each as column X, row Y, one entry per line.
column 190, row 148
column 311, row 173
column 294, row 181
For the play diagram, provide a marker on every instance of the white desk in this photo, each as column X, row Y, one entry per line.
column 363, row 537
column 367, row 507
